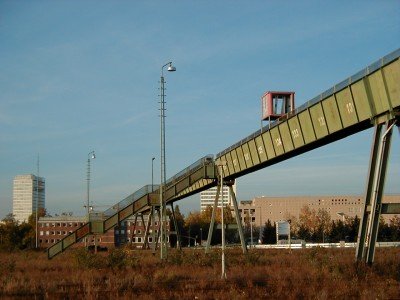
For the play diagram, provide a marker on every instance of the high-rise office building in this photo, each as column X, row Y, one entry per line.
column 207, row 197
column 28, row 190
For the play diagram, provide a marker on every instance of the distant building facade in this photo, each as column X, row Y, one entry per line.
column 260, row 209
column 54, row 229
column 28, row 194
column 207, row 197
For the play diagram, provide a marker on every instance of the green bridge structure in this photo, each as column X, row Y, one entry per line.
column 369, row 98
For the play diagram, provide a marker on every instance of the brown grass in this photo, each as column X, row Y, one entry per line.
column 308, row 273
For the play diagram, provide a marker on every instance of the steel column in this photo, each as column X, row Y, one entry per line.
column 368, row 230
column 178, row 235
column 134, row 228
column 212, row 221
column 238, row 220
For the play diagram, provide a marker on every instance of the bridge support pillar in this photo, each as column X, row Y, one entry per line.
column 238, row 219
column 146, row 231
column 237, row 216
column 368, row 230
column 178, row 235
column 212, row 222
column 133, row 229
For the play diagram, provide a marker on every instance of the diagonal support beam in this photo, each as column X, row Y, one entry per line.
column 238, row 219
column 212, row 221
column 178, row 235
column 368, row 230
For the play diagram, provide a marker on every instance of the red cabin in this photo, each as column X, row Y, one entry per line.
column 276, row 104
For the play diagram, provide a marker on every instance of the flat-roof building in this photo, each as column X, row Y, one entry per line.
column 207, row 197
column 28, row 195
column 260, row 209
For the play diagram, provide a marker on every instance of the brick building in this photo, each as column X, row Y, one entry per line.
column 53, row 229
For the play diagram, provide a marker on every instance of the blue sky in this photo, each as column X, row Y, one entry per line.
column 78, row 76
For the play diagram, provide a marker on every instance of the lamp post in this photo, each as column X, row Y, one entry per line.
column 221, row 165
column 91, row 155
column 152, row 177
column 163, row 244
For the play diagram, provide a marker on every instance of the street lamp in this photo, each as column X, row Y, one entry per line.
column 91, row 155
column 221, row 165
column 163, row 248
column 152, row 177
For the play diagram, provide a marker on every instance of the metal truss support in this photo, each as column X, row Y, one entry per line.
column 368, row 230
column 153, row 233
column 133, row 229
column 146, row 232
column 212, row 221
column 238, row 219
column 158, row 231
column 237, row 216
column 178, row 235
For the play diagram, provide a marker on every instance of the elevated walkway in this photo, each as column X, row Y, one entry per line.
column 199, row 176
column 369, row 98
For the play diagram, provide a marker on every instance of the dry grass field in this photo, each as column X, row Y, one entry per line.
column 261, row 274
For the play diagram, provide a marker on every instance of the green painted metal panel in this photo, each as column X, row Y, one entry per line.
column 240, row 157
column 83, row 231
column 331, row 113
column 223, row 158
column 97, row 227
column 286, row 137
column 184, row 183
column 262, row 153
column 277, row 141
column 378, row 92
column 295, row 131
column 247, row 155
column 253, row 152
column 318, row 119
column 126, row 212
column 307, row 129
column 392, row 77
column 235, row 161
column 229, row 162
column 111, row 222
column 54, row 250
column 266, row 136
column 68, row 240
column 360, row 98
column 346, row 107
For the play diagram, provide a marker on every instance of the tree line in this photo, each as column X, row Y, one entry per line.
column 311, row 226
column 317, row 226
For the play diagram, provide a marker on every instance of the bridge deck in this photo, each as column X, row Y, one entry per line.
column 361, row 101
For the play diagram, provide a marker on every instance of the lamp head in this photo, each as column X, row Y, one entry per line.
column 93, row 156
column 171, row 68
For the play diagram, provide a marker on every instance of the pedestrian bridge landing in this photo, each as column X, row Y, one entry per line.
column 366, row 99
